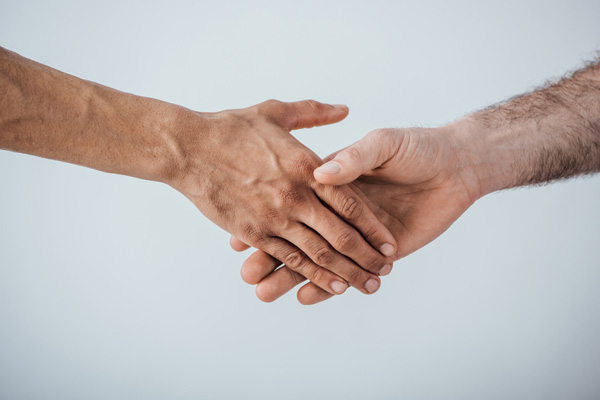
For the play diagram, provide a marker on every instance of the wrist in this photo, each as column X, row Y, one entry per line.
column 148, row 132
column 487, row 154
column 184, row 138
column 166, row 126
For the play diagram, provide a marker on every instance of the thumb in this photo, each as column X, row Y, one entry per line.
column 355, row 160
column 303, row 114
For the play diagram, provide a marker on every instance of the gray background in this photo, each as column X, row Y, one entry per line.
column 117, row 288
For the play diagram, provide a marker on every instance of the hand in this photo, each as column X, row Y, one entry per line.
column 241, row 168
column 417, row 181
column 255, row 180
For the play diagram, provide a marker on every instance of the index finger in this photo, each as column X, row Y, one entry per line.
column 350, row 206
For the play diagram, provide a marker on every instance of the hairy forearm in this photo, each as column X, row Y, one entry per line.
column 51, row 114
column 549, row 134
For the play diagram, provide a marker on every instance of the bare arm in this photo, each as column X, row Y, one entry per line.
column 47, row 113
column 548, row 134
column 241, row 168
column 424, row 179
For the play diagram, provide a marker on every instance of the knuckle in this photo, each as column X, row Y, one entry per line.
column 315, row 105
column 270, row 108
column 271, row 103
column 294, row 260
column 324, row 256
column 253, row 233
column 346, row 241
column 302, row 165
column 374, row 264
column 289, row 197
column 351, row 209
column 353, row 153
column 271, row 213
column 370, row 234
column 318, row 275
column 228, row 119
column 386, row 137
column 354, row 275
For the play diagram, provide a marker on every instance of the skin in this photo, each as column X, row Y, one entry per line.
column 422, row 180
column 241, row 168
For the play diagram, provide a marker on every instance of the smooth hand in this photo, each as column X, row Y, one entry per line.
column 255, row 180
column 416, row 180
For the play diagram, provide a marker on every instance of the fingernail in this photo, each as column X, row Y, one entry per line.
column 372, row 285
column 340, row 106
column 387, row 249
column 330, row 168
column 387, row 268
column 338, row 287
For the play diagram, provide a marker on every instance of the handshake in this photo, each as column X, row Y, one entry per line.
column 337, row 222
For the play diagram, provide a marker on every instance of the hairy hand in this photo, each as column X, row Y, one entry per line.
column 255, row 180
column 414, row 180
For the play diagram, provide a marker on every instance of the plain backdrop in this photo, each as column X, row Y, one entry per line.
column 117, row 288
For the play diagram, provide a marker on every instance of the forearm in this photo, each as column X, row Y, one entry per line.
column 241, row 168
column 51, row 114
column 551, row 133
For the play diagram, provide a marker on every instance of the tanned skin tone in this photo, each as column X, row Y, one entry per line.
column 241, row 168
column 424, row 179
